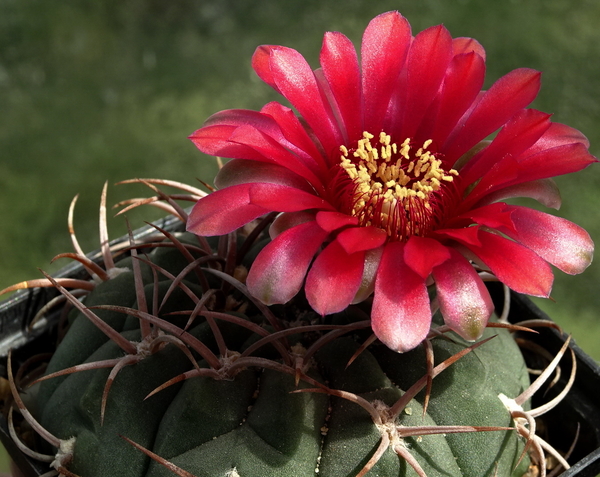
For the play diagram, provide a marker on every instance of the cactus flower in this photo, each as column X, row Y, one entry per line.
column 386, row 184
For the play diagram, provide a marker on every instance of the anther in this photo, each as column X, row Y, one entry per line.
column 392, row 187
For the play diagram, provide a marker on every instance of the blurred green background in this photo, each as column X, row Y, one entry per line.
column 110, row 89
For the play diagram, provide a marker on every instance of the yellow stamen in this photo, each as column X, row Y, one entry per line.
column 389, row 178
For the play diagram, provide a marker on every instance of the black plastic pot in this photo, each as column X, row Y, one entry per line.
column 16, row 315
column 581, row 406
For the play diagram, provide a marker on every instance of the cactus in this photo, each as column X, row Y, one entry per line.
column 245, row 389
column 312, row 349
column 170, row 365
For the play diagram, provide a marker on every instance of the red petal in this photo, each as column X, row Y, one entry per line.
column 295, row 133
column 558, row 241
column 555, row 162
column 245, row 117
column 241, row 171
column 462, row 84
column 215, row 140
column 287, row 220
column 428, row 59
column 559, row 135
column 341, row 69
column 331, row 221
column 495, row 216
column 334, row 279
column 466, row 235
column 383, row 52
column 269, row 150
column 549, row 163
column 223, row 211
column 281, row 198
column 367, row 284
column 422, row 254
column 463, row 45
column 212, row 140
column 515, row 265
column 278, row 272
column 275, row 121
column 501, row 175
column 517, row 135
column 260, row 63
column 218, row 128
column 465, row 302
column 545, row 191
column 361, row 238
column 507, row 96
column 297, row 83
column 401, row 315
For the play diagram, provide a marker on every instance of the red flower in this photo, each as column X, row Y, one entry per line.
column 388, row 180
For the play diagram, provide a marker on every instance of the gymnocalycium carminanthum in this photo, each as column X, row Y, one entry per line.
column 323, row 312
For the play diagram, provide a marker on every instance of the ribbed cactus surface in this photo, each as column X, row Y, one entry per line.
column 257, row 421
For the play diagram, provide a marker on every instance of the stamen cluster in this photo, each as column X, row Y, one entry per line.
column 392, row 188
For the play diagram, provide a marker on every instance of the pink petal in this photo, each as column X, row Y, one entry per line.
column 517, row 135
column 278, row 272
column 462, row 84
column 282, row 198
column 428, row 59
column 558, row 241
column 383, row 52
column 341, row 69
column 422, row 254
column 223, row 211
column 401, row 314
column 357, row 239
column 297, row 83
column 241, row 171
column 545, row 191
column 260, row 64
column 334, row 279
column 465, row 302
column 463, row 45
column 331, row 221
column 516, row 266
column 507, row 96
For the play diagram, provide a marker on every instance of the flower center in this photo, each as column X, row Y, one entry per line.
column 395, row 187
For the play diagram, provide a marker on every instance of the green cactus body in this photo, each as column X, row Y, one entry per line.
column 254, row 424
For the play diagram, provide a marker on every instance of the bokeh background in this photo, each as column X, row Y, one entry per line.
column 110, row 89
